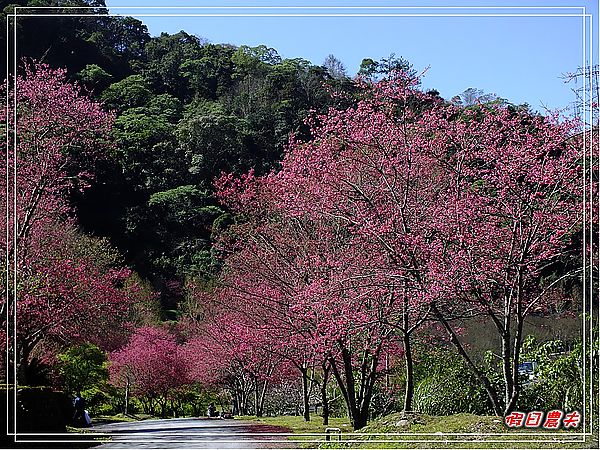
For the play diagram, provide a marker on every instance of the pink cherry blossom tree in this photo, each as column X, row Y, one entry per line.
column 305, row 280
column 512, row 216
column 54, row 135
column 366, row 168
column 439, row 212
column 233, row 354
column 153, row 365
column 70, row 297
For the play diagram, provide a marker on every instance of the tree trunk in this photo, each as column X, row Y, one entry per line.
column 324, row 399
column 235, row 407
column 163, row 407
column 506, row 367
column 506, row 353
column 367, row 395
column 358, row 407
column 126, row 409
column 360, row 419
column 257, row 410
column 410, row 382
column 22, row 364
column 516, row 358
column 305, row 399
column 263, row 394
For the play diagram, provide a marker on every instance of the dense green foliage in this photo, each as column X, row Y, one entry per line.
column 559, row 378
column 187, row 110
column 447, row 386
column 82, row 367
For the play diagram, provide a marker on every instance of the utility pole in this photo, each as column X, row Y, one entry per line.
column 587, row 93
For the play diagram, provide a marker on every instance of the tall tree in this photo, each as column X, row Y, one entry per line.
column 461, row 212
column 58, row 288
column 304, row 280
column 512, row 217
column 334, row 67
column 71, row 40
column 366, row 167
column 152, row 365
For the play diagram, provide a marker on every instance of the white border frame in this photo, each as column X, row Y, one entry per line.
column 587, row 56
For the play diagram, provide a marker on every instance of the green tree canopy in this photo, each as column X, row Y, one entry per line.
column 82, row 367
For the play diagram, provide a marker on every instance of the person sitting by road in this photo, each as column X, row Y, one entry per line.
column 212, row 410
column 79, row 419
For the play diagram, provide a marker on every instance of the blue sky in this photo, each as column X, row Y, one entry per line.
column 517, row 58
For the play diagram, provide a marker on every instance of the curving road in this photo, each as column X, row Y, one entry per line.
column 191, row 433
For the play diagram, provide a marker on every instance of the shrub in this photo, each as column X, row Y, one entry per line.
column 447, row 386
column 558, row 379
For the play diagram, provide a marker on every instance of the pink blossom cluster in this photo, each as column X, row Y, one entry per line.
column 400, row 212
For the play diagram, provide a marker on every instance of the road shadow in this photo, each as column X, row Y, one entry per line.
column 193, row 433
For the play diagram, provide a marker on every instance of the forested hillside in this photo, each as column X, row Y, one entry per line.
column 186, row 110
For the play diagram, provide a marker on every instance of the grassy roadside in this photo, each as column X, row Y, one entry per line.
column 121, row 418
column 298, row 425
column 456, row 431
column 302, row 430
column 115, row 418
column 423, row 431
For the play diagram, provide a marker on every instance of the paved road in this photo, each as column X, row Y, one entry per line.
column 191, row 433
